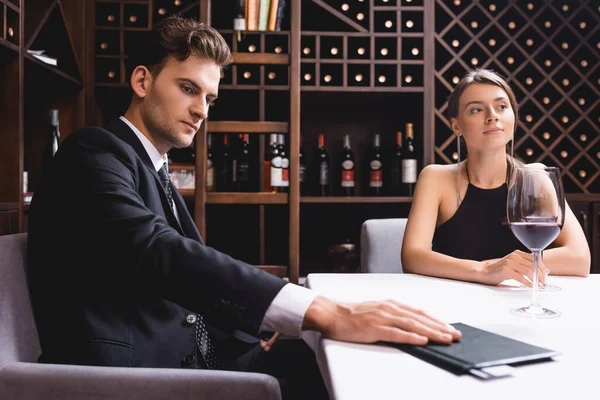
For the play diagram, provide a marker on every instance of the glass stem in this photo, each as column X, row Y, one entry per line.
column 534, row 293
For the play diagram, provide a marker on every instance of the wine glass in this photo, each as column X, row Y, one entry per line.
column 536, row 213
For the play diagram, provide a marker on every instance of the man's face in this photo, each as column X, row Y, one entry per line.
column 178, row 100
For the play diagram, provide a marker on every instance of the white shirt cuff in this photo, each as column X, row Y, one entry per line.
column 286, row 312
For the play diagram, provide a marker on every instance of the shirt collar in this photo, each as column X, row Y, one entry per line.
column 157, row 159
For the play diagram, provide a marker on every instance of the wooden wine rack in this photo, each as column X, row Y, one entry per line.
column 549, row 52
column 402, row 58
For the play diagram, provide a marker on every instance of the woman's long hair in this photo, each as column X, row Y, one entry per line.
column 485, row 76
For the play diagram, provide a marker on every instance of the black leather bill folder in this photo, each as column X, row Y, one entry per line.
column 477, row 351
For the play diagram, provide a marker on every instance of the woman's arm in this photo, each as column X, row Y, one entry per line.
column 570, row 253
column 417, row 256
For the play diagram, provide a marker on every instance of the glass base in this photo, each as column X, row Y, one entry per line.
column 535, row 312
column 545, row 288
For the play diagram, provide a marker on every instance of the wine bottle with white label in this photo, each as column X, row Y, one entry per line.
column 276, row 179
column 347, row 181
column 409, row 162
column 285, row 164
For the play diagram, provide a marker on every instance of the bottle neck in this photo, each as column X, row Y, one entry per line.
column 347, row 142
column 376, row 141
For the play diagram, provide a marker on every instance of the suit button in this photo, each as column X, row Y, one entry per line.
column 188, row 360
column 191, row 319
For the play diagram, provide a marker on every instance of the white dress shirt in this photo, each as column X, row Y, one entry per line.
column 286, row 312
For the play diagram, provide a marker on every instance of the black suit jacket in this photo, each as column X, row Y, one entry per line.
column 113, row 275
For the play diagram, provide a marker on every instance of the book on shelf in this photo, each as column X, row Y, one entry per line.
column 252, row 10
column 263, row 14
column 39, row 54
column 280, row 11
column 273, row 14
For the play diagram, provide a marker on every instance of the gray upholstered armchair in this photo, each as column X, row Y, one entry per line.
column 21, row 377
column 381, row 245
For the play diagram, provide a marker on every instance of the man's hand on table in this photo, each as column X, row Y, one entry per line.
column 374, row 321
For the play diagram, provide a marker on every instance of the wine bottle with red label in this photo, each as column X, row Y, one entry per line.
column 376, row 168
column 347, row 181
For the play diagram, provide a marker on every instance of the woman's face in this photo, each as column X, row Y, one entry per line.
column 485, row 118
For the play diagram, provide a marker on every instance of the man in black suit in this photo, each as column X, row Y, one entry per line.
column 119, row 274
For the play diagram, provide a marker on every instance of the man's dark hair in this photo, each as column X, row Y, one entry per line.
column 179, row 38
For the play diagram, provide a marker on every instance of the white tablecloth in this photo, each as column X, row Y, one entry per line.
column 356, row 371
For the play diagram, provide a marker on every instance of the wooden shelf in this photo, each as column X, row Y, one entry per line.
column 112, row 85
column 356, row 199
column 246, row 198
column 394, row 89
column 248, row 126
column 275, row 33
column 254, row 87
column 261, row 58
column 182, row 166
column 582, row 196
column 53, row 69
column 9, row 45
column 187, row 193
column 277, row 270
column 10, row 5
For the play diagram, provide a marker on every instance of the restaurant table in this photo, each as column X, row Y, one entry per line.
column 374, row 371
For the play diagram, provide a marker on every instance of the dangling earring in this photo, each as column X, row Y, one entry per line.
column 458, row 169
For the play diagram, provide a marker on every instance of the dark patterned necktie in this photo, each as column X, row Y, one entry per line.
column 166, row 183
column 203, row 341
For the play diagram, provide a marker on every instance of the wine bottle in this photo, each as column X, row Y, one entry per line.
column 409, row 162
column 302, row 171
column 396, row 183
column 347, row 168
column 243, row 165
column 210, row 166
column 239, row 22
column 285, row 164
column 275, row 164
column 269, row 155
column 376, row 168
column 225, row 162
column 323, row 160
column 52, row 146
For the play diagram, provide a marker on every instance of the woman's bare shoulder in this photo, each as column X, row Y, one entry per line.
column 439, row 171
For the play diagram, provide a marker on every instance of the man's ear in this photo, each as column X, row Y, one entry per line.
column 141, row 80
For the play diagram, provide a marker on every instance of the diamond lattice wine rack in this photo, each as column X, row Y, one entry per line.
column 362, row 45
column 549, row 51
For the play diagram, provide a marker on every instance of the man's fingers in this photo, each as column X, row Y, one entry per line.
column 276, row 336
column 415, row 326
column 395, row 335
column 266, row 345
column 425, row 318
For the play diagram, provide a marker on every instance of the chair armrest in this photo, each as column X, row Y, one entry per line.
column 51, row 381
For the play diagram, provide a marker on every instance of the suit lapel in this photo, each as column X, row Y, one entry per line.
column 185, row 225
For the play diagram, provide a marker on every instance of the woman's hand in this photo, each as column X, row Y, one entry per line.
column 517, row 265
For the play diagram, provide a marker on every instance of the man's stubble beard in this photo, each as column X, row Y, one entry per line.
column 158, row 127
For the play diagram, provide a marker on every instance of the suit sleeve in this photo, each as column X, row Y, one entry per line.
column 113, row 192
